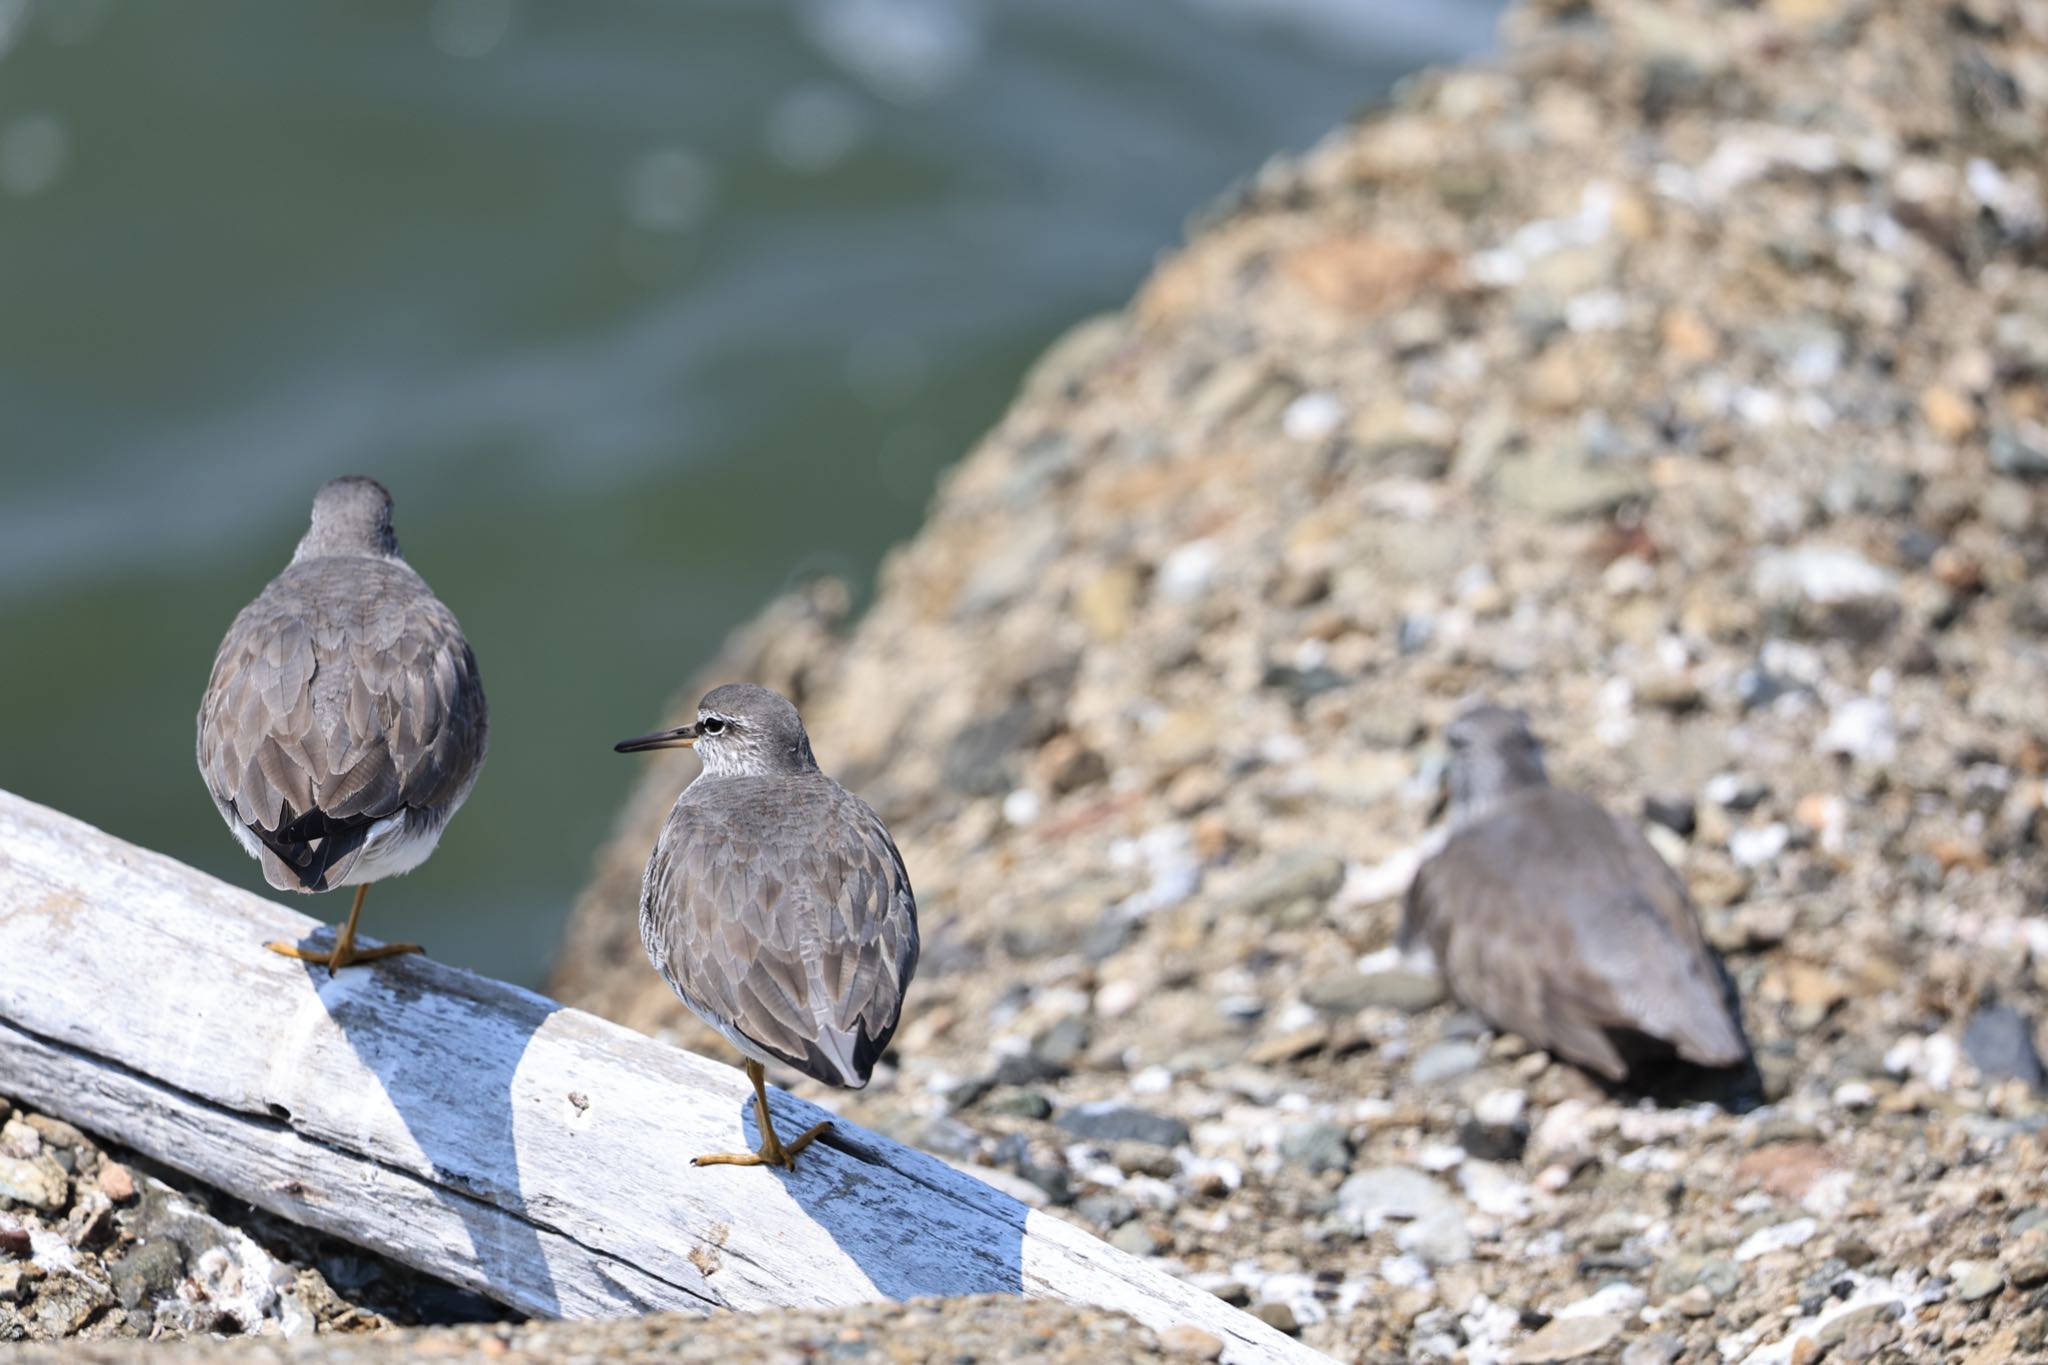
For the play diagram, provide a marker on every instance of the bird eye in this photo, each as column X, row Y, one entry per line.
column 712, row 726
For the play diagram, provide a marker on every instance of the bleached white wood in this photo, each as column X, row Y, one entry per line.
column 477, row 1131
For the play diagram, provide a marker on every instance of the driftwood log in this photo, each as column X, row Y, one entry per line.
column 480, row 1132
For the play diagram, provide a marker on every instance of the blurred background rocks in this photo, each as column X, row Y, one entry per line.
column 1678, row 377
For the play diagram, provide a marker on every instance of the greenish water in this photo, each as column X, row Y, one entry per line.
column 643, row 311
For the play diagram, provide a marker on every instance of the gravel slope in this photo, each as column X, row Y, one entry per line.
column 1681, row 377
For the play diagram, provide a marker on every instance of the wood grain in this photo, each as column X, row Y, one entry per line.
column 477, row 1131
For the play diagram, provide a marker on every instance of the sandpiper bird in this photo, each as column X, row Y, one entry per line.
column 776, row 905
column 344, row 721
column 1551, row 917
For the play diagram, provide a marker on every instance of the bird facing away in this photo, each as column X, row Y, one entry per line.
column 776, row 905
column 1556, row 919
column 345, row 721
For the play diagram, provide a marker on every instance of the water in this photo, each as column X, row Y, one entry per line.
column 643, row 311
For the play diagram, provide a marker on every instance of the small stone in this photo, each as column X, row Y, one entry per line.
column 1307, row 880
column 1432, row 1226
column 1833, row 591
column 1861, row 485
column 1400, row 989
column 14, row 1239
column 1782, row 1237
column 1105, row 602
column 1659, row 1348
column 1020, row 1103
column 1696, row 1302
column 1674, row 813
column 1135, row 1239
column 116, row 1182
column 38, row 1183
column 1026, row 1068
column 1947, row 413
column 20, row 1141
column 150, row 1272
column 64, row 1302
column 1682, row 1272
column 1975, row 1280
column 1447, row 1060
column 1735, row 791
column 56, row 1132
column 1999, row 1041
column 1070, row 765
column 1498, row 1129
column 1317, row 1147
column 1560, row 480
column 1569, row 1338
column 1062, row 1044
column 1838, row 1329
column 1108, row 1121
column 2020, row 449
column 1289, row 1047
column 1277, row 1316
column 1861, row 728
column 1183, row 1340
column 2028, row 1270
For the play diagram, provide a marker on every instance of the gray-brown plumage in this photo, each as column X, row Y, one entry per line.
column 1554, row 918
column 345, row 719
column 776, row 905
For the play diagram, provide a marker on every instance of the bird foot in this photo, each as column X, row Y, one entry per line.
column 342, row 955
column 772, row 1151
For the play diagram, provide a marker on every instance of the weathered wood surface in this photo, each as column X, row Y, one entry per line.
column 477, row 1131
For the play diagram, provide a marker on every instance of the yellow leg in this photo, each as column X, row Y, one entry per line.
column 772, row 1152
column 345, row 953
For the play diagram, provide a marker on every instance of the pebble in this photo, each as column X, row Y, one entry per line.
column 1397, row 988
column 2020, row 449
column 1659, row 1348
column 1696, row 1302
column 1756, row 845
column 1107, row 1121
column 116, row 1182
column 1431, row 1226
column 1999, row 1041
column 1317, row 1147
column 1975, row 1280
column 1020, row 1103
column 1834, row 591
column 1451, row 1058
column 37, row 1182
column 1277, row 1316
column 1856, row 1321
column 1292, row 891
column 1782, row 1237
column 1569, row 1338
column 1862, row 729
column 1183, row 1340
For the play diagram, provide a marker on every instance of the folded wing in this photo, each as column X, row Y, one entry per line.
column 337, row 703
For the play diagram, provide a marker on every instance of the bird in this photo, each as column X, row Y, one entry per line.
column 1556, row 919
column 344, row 722
column 776, row 905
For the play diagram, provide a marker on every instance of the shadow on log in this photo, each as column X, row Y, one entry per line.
column 480, row 1132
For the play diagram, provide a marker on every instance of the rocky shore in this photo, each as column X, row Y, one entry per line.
column 1680, row 376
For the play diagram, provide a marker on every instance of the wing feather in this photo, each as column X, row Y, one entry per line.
column 781, row 912
column 343, row 695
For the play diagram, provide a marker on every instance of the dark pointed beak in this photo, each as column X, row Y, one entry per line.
column 682, row 737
